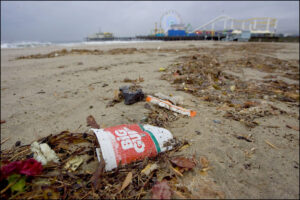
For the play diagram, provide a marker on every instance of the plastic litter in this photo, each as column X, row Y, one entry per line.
column 74, row 163
column 131, row 95
column 217, row 121
column 176, row 100
column 124, row 144
column 43, row 153
column 149, row 168
column 170, row 106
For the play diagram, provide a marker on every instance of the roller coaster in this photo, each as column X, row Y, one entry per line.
column 262, row 25
column 259, row 25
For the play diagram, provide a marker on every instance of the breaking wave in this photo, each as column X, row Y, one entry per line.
column 24, row 44
column 66, row 44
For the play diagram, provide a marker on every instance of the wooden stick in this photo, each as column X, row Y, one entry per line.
column 62, row 182
column 9, row 185
column 86, row 195
column 5, row 140
column 272, row 145
column 18, row 154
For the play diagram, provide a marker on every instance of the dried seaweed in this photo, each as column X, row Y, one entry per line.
column 89, row 180
column 219, row 80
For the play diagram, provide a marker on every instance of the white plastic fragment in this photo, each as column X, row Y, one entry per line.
column 176, row 100
column 73, row 163
column 149, row 168
column 43, row 153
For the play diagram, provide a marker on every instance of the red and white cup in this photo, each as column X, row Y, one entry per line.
column 128, row 143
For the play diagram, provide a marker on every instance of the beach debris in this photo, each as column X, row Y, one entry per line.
column 17, row 182
column 170, row 106
column 2, row 122
column 117, row 98
column 18, row 143
column 176, row 171
column 198, row 132
column 162, row 69
column 232, row 88
column 293, row 127
column 217, row 121
column 91, row 88
column 147, row 106
column 226, row 84
column 61, row 66
column 241, row 137
column 126, row 182
column 56, row 182
column 138, row 80
column 73, row 163
column 41, row 92
column 122, row 51
column 43, row 153
column 186, row 145
column 204, row 162
column 176, row 100
column 183, row 162
column 132, row 94
column 63, row 52
column 104, row 85
column 149, row 168
column 130, row 143
column 144, row 119
column 161, row 117
column 161, row 190
column 96, row 178
column 271, row 145
column 29, row 167
column 2, row 142
column 90, row 120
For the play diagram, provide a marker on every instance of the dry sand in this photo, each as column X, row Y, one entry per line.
column 49, row 95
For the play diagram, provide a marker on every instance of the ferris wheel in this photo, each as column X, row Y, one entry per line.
column 168, row 18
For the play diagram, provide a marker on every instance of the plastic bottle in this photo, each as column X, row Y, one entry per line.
column 128, row 143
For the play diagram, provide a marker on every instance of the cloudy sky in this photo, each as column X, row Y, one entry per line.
column 72, row 21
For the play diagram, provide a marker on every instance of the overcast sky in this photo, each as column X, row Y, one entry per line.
column 72, row 21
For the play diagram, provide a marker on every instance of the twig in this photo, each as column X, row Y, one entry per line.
column 86, row 195
column 63, row 182
column 9, row 185
column 271, row 126
column 176, row 171
column 15, row 156
column 272, row 145
column 5, row 140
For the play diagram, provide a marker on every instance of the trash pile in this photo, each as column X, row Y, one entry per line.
column 166, row 108
column 208, row 77
column 67, row 165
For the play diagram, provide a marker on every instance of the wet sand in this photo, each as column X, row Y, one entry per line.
column 49, row 95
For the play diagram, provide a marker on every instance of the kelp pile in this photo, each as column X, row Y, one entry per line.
column 79, row 175
column 223, row 82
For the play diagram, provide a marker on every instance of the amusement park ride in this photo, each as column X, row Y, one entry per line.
column 171, row 27
column 171, row 24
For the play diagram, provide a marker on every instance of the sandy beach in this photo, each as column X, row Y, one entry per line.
column 50, row 94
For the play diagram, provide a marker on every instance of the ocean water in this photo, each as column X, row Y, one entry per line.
column 32, row 44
